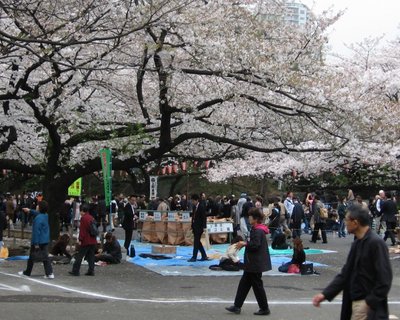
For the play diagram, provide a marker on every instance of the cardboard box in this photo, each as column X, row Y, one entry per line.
column 157, row 249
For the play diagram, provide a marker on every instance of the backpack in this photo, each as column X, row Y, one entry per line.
column 323, row 213
column 93, row 230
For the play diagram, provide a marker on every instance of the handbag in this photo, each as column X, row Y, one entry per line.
column 93, row 229
column 293, row 268
column 38, row 255
column 306, row 268
column 323, row 213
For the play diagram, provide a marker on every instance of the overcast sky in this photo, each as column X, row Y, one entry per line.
column 362, row 18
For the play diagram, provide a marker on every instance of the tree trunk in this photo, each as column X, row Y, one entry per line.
column 55, row 192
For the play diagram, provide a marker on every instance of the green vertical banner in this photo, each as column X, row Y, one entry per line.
column 105, row 156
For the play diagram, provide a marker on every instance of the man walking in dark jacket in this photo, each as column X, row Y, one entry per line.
column 256, row 261
column 39, row 241
column 389, row 211
column 366, row 277
column 199, row 223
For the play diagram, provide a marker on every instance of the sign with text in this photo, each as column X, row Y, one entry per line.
column 219, row 227
column 171, row 216
column 142, row 215
column 157, row 216
column 186, row 216
column 75, row 189
column 153, row 187
column 105, row 156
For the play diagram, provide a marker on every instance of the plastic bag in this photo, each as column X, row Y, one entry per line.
column 4, row 252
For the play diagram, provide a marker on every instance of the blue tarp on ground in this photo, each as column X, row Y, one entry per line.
column 179, row 265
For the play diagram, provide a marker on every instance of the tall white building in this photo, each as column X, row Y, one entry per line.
column 297, row 13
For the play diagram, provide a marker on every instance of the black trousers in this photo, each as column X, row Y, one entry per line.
column 106, row 257
column 251, row 280
column 48, row 269
column 197, row 245
column 319, row 226
column 389, row 233
column 128, row 240
column 88, row 253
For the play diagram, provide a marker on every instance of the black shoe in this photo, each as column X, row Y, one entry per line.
column 261, row 312
column 192, row 260
column 324, row 241
column 313, row 241
column 73, row 273
column 89, row 273
column 205, row 259
column 233, row 309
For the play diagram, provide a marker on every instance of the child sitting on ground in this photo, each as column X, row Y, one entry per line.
column 230, row 260
column 59, row 253
column 298, row 258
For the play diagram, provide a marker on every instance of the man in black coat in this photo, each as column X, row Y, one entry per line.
column 129, row 223
column 296, row 218
column 389, row 211
column 199, row 223
column 366, row 277
column 256, row 261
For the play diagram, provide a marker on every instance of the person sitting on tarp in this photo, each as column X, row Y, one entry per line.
column 59, row 253
column 279, row 242
column 111, row 252
column 298, row 258
column 230, row 260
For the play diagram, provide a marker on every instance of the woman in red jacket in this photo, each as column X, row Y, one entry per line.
column 87, row 244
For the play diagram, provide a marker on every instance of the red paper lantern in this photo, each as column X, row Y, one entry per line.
column 183, row 165
column 175, row 168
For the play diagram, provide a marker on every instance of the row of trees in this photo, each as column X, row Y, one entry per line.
column 184, row 79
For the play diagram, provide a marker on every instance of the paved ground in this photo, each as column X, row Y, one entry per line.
column 127, row 291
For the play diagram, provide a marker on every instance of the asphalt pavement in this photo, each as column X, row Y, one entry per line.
column 127, row 291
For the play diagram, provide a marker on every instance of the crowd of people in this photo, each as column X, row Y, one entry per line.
column 252, row 219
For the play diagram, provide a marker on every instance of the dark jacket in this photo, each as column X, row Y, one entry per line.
column 256, row 254
column 341, row 210
column 128, row 223
column 297, row 216
column 84, row 231
column 367, row 274
column 246, row 207
column 389, row 211
column 3, row 224
column 299, row 257
column 60, row 249
column 199, row 218
column 40, row 228
column 114, row 249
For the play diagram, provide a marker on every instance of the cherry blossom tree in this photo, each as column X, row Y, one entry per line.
column 154, row 79
column 367, row 89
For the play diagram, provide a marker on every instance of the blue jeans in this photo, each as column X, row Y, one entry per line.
column 306, row 226
column 342, row 228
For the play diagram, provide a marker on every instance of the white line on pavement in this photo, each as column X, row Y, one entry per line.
column 50, row 283
column 11, row 288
